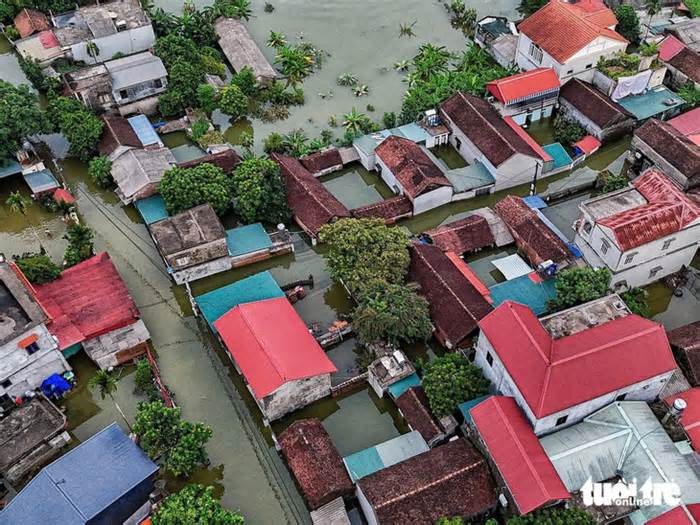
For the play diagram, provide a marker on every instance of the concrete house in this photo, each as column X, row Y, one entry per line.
column 95, row 33
column 641, row 233
column 569, row 37
column 499, row 38
column 283, row 365
column 138, row 172
column 192, row 243
column 408, row 170
column 482, row 137
column 28, row 352
column 126, row 85
column 669, row 147
column 388, row 370
column 541, row 362
column 596, row 113
column 528, row 96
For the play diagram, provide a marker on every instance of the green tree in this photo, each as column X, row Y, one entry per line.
column 233, row 101
column 360, row 250
column 246, row 82
column 38, row 268
column 690, row 93
column 554, row 516
column 20, row 118
column 80, row 245
column 627, row 22
column 430, row 61
column 295, row 63
column 653, row 8
column 389, row 120
column 636, row 301
column 456, row 520
column 162, row 432
column 527, row 7
column 296, row 143
column 276, row 39
column 81, row 128
column 694, row 7
column 105, row 384
column 391, row 313
column 174, row 48
column 613, row 182
column 143, row 380
column 274, row 143
column 579, row 285
column 195, row 505
column 207, row 98
column 184, row 188
column 451, row 379
column 259, row 191
column 100, row 170
column 567, row 131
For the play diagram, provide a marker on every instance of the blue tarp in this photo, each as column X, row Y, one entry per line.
column 247, row 239
column 41, row 181
column 107, row 475
column 257, row 287
column 465, row 407
column 152, row 209
column 525, row 291
column 401, row 386
column 55, row 385
column 144, row 130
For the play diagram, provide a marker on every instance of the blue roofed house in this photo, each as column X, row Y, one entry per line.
column 383, row 455
column 105, row 480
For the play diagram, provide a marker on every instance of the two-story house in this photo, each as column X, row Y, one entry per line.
column 641, row 233
column 569, row 37
column 565, row 366
column 28, row 352
column 527, row 96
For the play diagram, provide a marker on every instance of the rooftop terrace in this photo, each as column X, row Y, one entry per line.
column 651, row 103
column 585, row 316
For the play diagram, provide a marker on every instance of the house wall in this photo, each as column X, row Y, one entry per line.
column 125, row 42
column 602, row 134
column 140, row 90
column 502, row 382
column 27, row 372
column 110, row 349
column 387, row 176
column 294, row 395
column 676, row 79
column 649, row 157
column 197, row 255
column 366, row 507
column 203, row 270
column 145, row 106
column 121, row 509
column 581, row 65
column 432, row 199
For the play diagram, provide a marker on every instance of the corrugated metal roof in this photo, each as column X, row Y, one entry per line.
column 40, row 181
column 512, row 266
column 374, row 459
column 144, row 130
column 10, row 168
column 525, row 290
column 135, row 69
column 469, row 177
column 152, row 209
column 404, row 384
column 247, row 239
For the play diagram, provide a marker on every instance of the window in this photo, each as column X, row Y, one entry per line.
column 570, row 72
column 667, row 243
column 158, row 83
column 589, row 66
column 535, row 52
column 654, row 271
column 621, row 397
column 6, row 383
column 587, row 227
column 458, row 143
column 604, row 246
column 562, row 420
column 32, row 348
column 630, row 257
column 489, row 358
column 123, row 94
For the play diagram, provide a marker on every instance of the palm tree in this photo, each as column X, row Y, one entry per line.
column 653, row 7
column 431, row 60
column 18, row 203
column 294, row 63
column 276, row 39
column 106, row 385
column 354, row 121
column 296, row 142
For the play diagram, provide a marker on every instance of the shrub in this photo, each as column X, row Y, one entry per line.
column 143, row 380
column 100, row 170
column 207, row 98
column 274, row 143
column 613, row 182
column 450, row 380
column 185, row 188
column 246, row 82
column 567, row 131
column 199, row 129
column 195, row 505
column 80, row 245
column 211, row 137
column 627, row 22
column 38, row 268
column 636, row 301
column 233, row 101
column 579, row 285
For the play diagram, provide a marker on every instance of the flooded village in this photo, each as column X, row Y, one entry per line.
column 269, row 262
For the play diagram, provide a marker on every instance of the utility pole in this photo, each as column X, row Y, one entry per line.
column 533, row 185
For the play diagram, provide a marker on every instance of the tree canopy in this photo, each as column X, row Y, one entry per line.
column 579, row 285
column 627, row 22
column 184, row 188
column 38, row 268
column 80, row 245
column 364, row 249
column 233, row 101
column 554, row 516
column 259, row 192
column 81, row 128
column 162, row 432
column 391, row 313
column 20, row 118
column 451, row 379
column 195, row 505
column 100, row 170
column 567, row 131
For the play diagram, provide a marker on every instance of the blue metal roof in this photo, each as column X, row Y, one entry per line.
column 257, row 287
column 535, row 202
column 9, row 168
column 465, row 407
column 651, row 103
column 41, row 181
column 152, row 209
column 83, row 482
column 404, row 384
column 379, row 457
column 559, row 155
column 247, row 239
column 525, row 291
column 144, row 130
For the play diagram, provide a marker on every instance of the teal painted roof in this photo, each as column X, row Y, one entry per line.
column 257, row 287
column 469, row 177
column 651, row 103
column 40, row 181
column 368, row 143
column 559, row 155
column 525, row 291
column 404, row 384
column 152, row 209
column 9, row 168
column 379, row 457
column 465, row 407
column 247, row 239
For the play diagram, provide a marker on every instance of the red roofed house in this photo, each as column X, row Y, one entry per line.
column 641, row 233
column 524, row 471
column 683, row 62
column 272, row 348
column 90, row 306
column 30, row 21
column 527, row 96
column 690, row 417
column 408, row 170
column 569, row 37
column 566, row 366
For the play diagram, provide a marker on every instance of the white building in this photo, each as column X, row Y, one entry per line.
column 641, row 233
column 565, row 366
column 569, row 37
column 28, row 352
column 528, row 96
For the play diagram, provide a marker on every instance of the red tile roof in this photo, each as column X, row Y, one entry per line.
column 48, row 40
column 587, row 144
column 541, row 153
column 464, row 235
column 687, row 61
column 117, row 132
column 227, row 160
column 413, row 404
column 30, row 21
column 311, row 203
column 522, row 462
column 562, row 29
column 557, row 374
column 670, row 47
column 86, row 301
column 685, row 341
column 688, row 124
column 271, row 345
column 411, row 166
column 524, row 85
column 668, row 210
column 449, row 480
column 322, row 160
column 389, row 210
column 61, row 195
column 678, row 516
column 315, row 462
column 485, row 128
column 690, row 418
